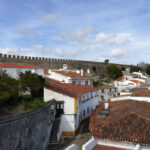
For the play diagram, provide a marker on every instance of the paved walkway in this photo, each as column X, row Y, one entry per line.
column 82, row 137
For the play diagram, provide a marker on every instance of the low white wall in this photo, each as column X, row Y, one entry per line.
column 68, row 123
column 73, row 147
column 90, row 144
column 116, row 144
column 146, row 99
column 137, row 147
column 125, row 93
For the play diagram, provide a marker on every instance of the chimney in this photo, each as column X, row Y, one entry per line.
column 106, row 105
column 49, row 71
column 65, row 66
column 104, row 112
column 88, row 71
column 81, row 72
column 78, row 71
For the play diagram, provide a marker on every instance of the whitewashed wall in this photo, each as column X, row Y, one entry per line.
column 60, row 77
column 137, row 98
column 89, row 145
column 106, row 94
column 68, row 101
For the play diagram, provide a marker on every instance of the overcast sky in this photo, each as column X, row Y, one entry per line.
column 118, row 30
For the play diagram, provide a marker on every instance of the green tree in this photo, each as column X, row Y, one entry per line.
column 114, row 72
column 134, row 68
column 32, row 82
column 148, row 69
column 106, row 61
column 9, row 89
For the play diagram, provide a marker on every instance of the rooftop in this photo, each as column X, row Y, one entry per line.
column 71, row 90
column 102, row 147
column 18, row 66
column 137, row 81
column 120, row 79
column 46, row 73
column 128, row 121
column 141, row 92
column 72, row 74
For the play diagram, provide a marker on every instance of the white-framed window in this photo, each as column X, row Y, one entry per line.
column 57, row 106
column 61, row 106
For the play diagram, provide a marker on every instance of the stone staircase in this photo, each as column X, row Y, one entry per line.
column 53, row 136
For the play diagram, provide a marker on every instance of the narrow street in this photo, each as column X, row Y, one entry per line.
column 82, row 137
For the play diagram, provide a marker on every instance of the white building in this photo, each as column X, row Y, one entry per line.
column 106, row 92
column 14, row 70
column 74, row 103
column 124, row 83
column 67, row 76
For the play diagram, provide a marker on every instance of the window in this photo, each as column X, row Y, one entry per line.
column 91, row 95
column 63, row 81
column 102, row 98
column 86, row 82
column 84, row 113
column 73, row 82
column 88, row 110
column 61, row 106
column 57, row 106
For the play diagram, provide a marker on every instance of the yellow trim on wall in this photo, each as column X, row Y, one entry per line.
column 75, row 105
column 69, row 133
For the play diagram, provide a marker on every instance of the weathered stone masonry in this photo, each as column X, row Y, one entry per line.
column 27, row 131
column 51, row 63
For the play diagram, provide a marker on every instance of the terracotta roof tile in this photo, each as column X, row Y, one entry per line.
column 102, row 147
column 128, row 121
column 18, row 66
column 137, row 81
column 72, row 74
column 141, row 92
column 46, row 73
column 71, row 90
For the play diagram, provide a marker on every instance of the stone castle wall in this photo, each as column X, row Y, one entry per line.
column 51, row 63
column 27, row 131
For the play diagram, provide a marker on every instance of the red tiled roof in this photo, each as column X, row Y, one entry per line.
column 137, row 81
column 18, row 66
column 102, row 147
column 71, row 90
column 72, row 74
column 141, row 92
column 120, row 79
column 46, row 73
column 127, row 121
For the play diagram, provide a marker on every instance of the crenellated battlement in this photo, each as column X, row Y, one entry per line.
column 35, row 58
column 54, row 63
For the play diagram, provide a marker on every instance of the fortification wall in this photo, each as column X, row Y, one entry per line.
column 27, row 131
column 52, row 63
